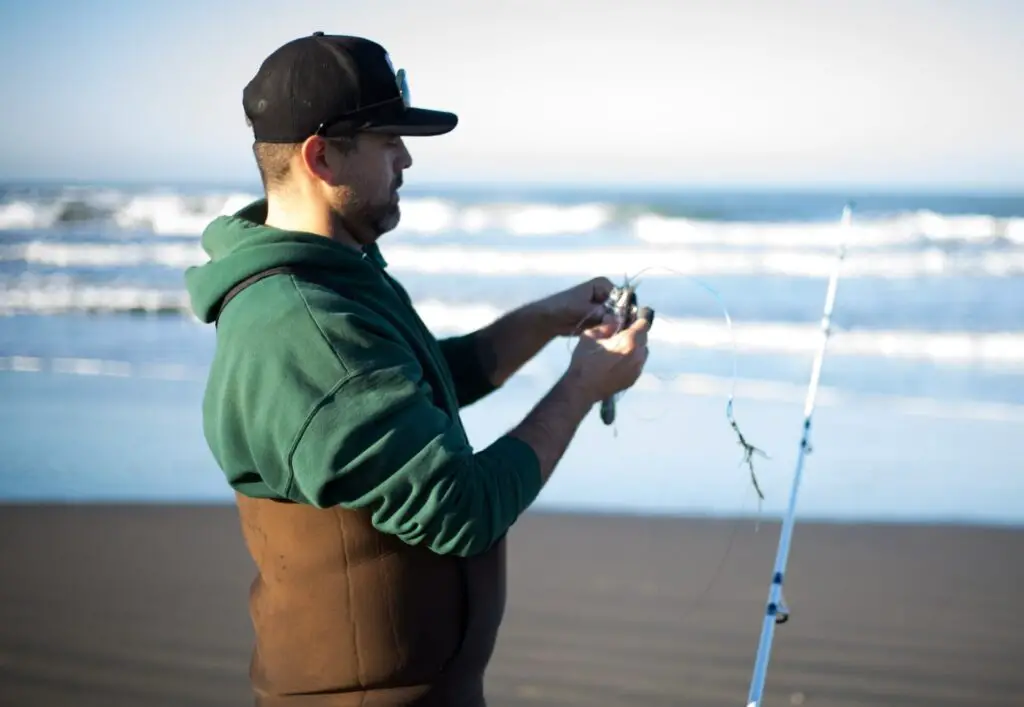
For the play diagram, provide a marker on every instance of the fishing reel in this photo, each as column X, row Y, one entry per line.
column 622, row 304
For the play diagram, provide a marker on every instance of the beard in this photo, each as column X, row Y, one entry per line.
column 367, row 221
column 383, row 218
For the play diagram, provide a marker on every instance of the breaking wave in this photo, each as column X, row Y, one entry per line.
column 578, row 262
column 994, row 349
column 170, row 212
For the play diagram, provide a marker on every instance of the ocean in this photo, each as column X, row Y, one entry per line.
column 919, row 416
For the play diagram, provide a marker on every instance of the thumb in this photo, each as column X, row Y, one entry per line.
column 644, row 319
column 608, row 326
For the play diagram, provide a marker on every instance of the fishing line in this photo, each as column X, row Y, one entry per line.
column 621, row 294
column 749, row 450
column 776, row 611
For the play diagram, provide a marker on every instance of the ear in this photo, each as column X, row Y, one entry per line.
column 315, row 158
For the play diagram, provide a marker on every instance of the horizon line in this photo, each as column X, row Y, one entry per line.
column 825, row 187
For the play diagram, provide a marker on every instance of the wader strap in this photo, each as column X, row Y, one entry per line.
column 252, row 279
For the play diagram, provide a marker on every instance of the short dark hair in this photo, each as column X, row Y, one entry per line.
column 274, row 159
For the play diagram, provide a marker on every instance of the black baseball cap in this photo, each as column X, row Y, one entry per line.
column 334, row 85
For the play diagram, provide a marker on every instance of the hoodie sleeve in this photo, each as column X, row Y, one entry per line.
column 378, row 442
column 462, row 354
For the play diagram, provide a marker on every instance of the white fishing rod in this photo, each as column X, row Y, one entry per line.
column 776, row 611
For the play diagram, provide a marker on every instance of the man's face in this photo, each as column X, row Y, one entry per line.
column 364, row 196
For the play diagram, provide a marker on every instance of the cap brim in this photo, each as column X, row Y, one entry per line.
column 417, row 122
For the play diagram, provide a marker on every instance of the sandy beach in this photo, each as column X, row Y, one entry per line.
column 145, row 605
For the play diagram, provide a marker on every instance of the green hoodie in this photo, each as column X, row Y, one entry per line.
column 330, row 390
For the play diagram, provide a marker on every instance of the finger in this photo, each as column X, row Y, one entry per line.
column 643, row 321
column 611, row 323
column 607, row 328
column 638, row 334
column 605, row 322
column 600, row 316
column 600, row 289
column 646, row 314
column 639, row 340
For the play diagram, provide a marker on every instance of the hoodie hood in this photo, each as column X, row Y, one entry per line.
column 241, row 245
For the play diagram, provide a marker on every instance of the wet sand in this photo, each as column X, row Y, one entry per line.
column 146, row 605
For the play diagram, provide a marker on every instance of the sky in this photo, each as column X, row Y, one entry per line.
column 699, row 92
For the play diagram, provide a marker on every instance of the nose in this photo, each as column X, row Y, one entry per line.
column 403, row 159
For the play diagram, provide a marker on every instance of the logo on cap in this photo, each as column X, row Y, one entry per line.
column 403, row 87
column 400, row 81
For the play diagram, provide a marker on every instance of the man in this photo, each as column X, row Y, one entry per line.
column 377, row 530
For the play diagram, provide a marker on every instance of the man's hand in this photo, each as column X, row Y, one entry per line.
column 605, row 364
column 602, row 364
column 571, row 311
column 508, row 343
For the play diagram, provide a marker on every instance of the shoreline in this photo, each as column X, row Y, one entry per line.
column 567, row 512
